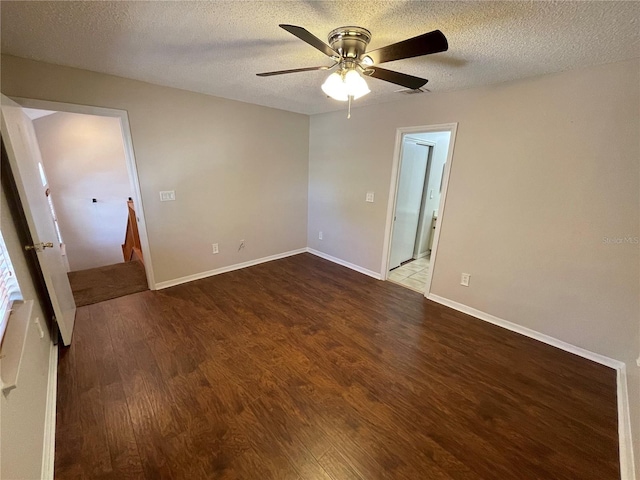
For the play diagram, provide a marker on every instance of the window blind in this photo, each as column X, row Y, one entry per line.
column 9, row 290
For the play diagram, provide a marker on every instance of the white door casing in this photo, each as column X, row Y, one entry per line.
column 132, row 168
column 386, row 249
column 24, row 157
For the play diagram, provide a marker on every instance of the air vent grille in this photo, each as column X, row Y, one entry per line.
column 411, row 91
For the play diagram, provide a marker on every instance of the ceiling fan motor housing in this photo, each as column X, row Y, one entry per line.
column 350, row 42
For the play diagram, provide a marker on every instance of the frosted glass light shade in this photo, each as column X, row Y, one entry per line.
column 356, row 85
column 335, row 88
column 342, row 87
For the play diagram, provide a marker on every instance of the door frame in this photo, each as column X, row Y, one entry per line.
column 452, row 128
column 130, row 160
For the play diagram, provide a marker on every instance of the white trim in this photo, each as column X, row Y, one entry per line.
column 49, row 442
column 344, row 263
column 391, row 205
column 230, row 268
column 395, row 170
column 130, row 158
column 627, row 464
column 14, row 344
column 417, row 141
column 527, row 332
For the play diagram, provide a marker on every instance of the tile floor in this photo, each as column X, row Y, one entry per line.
column 412, row 275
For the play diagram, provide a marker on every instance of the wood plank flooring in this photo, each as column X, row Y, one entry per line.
column 302, row 369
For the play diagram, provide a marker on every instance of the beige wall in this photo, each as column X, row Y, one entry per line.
column 83, row 157
column 22, row 410
column 543, row 170
column 240, row 171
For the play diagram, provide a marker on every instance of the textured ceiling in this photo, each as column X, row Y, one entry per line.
column 218, row 47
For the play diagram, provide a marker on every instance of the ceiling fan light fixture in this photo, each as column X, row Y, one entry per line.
column 348, row 49
column 335, row 88
column 340, row 86
column 356, row 86
column 367, row 61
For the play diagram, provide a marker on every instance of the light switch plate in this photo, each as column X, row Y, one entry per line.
column 167, row 196
column 370, row 197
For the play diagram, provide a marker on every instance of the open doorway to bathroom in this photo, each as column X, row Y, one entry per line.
column 417, row 190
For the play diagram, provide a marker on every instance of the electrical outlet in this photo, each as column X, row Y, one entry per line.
column 241, row 246
column 214, row 248
column 370, row 197
column 464, row 280
column 320, row 235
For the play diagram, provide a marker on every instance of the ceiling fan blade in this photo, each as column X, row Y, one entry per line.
column 425, row 44
column 311, row 39
column 398, row 78
column 295, row 70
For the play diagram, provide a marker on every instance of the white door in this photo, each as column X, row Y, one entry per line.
column 413, row 168
column 24, row 158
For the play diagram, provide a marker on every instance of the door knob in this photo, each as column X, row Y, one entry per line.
column 38, row 247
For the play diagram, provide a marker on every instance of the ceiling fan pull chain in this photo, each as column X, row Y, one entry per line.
column 349, row 110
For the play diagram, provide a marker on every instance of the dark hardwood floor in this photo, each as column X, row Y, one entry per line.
column 302, row 369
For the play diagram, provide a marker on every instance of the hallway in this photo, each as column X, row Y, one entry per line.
column 104, row 283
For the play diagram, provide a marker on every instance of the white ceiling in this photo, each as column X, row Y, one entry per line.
column 218, row 47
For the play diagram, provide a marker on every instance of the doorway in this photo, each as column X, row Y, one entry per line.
column 91, row 183
column 416, row 204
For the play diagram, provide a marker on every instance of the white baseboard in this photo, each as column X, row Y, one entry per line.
column 230, row 268
column 344, row 263
column 527, row 332
column 627, row 464
column 237, row 266
column 49, row 443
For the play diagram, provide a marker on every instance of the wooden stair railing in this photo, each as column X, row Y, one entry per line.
column 131, row 248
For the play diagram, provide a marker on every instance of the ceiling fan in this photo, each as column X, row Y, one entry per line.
column 348, row 51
